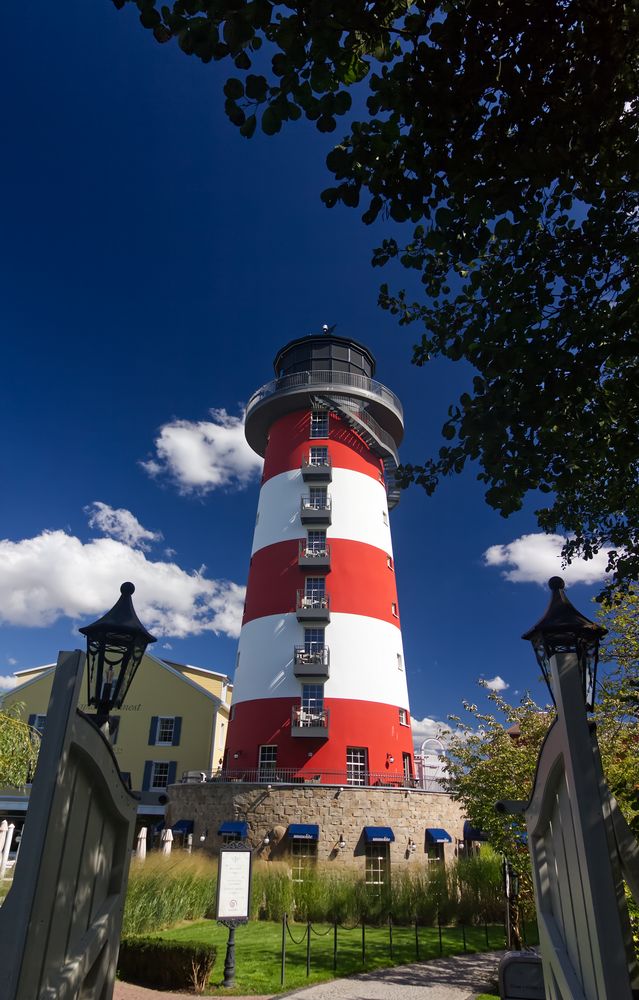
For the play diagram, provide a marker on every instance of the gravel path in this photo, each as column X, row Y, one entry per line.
column 457, row 978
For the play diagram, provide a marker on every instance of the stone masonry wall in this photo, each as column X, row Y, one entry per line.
column 338, row 811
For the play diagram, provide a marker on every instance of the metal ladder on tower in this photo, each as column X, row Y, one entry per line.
column 377, row 439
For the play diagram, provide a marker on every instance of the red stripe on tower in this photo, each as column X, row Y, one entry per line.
column 320, row 687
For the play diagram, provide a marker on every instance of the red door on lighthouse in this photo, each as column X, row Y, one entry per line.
column 320, row 686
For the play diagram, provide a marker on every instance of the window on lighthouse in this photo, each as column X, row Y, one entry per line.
column 313, row 699
column 316, row 541
column 267, row 761
column 318, row 455
column 315, row 592
column 356, row 766
column 314, row 640
column 319, row 424
column 318, row 499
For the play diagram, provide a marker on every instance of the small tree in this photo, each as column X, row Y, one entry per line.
column 19, row 745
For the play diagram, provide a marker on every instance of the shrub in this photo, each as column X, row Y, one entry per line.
column 162, row 891
column 165, row 964
column 477, row 883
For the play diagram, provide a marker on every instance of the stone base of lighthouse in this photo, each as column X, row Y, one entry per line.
column 341, row 814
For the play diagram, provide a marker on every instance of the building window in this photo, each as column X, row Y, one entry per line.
column 303, row 858
column 257, row 518
column 267, row 762
column 315, row 591
column 385, row 517
column 403, row 717
column 165, row 730
column 400, row 658
column 377, row 865
column 314, row 640
column 394, row 609
column 166, row 727
column 316, row 541
column 159, row 774
column 38, row 722
column 389, row 562
column 435, row 852
column 318, row 455
column 230, row 838
column 319, row 423
column 231, row 713
column 313, row 699
column 407, row 765
column 356, row 766
column 318, row 498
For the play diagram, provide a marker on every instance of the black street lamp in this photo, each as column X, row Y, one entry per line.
column 115, row 646
column 563, row 629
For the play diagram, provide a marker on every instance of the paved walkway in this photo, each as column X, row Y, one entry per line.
column 457, row 978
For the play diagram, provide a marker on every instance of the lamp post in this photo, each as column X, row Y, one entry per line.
column 115, row 646
column 563, row 629
column 510, row 883
column 579, row 843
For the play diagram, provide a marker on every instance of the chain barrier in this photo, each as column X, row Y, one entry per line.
column 320, row 933
column 303, row 937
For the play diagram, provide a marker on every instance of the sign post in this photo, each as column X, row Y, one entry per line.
column 233, row 897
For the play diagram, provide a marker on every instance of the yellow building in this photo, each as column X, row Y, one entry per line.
column 174, row 720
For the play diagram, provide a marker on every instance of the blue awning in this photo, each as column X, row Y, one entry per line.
column 472, row 832
column 234, row 826
column 435, row 835
column 303, row 831
column 183, row 826
column 378, row 834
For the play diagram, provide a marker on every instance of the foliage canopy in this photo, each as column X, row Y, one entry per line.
column 503, row 138
column 19, row 745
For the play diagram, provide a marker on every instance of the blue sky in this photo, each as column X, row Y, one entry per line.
column 152, row 262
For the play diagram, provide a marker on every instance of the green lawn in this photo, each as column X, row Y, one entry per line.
column 258, row 950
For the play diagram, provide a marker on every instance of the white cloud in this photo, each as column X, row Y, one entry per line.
column 54, row 575
column 496, row 684
column 11, row 660
column 121, row 524
column 200, row 456
column 9, row 682
column 535, row 558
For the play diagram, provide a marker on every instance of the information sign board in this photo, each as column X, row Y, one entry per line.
column 234, row 885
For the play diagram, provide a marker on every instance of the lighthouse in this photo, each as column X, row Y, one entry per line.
column 320, row 691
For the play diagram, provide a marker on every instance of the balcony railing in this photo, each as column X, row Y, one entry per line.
column 311, row 664
column 314, row 557
column 312, row 607
column 319, row 656
column 309, row 722
column 326, row 379
column 318, row 511
column 317, row 469
column 295, row 776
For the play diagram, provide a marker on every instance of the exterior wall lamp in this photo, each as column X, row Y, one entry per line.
column 204, row 835
column 341, row 843
column 390, row 759
column 266, row 841
column 116, row 644
column 563, row 629
column 412, row 846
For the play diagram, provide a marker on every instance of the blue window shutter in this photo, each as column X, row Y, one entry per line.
column 153, row 731
column 177, row 729
column 172, row 770
column 146, row 780
column 32, row 719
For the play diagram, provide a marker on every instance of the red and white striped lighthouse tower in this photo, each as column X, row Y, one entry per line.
column 320, row 687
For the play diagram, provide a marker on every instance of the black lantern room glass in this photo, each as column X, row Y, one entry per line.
column 115, row 647
column 563, row 629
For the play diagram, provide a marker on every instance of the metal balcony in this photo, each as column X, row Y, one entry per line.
column 316, row 471
column 315, row 511
column 311, row 664
column 312, row 558
column 310, row 724
column 312, row 607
